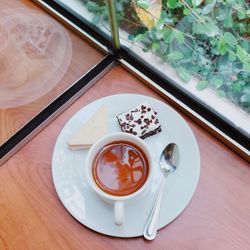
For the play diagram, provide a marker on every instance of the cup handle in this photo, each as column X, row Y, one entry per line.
column 119, row 212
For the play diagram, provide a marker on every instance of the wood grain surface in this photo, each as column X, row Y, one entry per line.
column 39, row 59
column 32, row 216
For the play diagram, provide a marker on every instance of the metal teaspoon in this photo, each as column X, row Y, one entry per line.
column 168, row 163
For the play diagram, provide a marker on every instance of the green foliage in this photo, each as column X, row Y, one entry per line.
column 92, row 6
column 230, row 39
column 184, row 74
column 172, row 4
column 175, row 55
column 196, row 3
column 228, row 22
column 208, row 7
column 202, row 85
column 143, row 3
column 180, row 37
column 208, row 28
column 222, row 48
column 208, row 40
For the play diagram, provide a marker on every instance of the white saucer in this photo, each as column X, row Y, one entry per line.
column 85, row 206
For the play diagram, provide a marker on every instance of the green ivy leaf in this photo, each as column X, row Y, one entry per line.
column 92, row 6
column 143, row 4
column 221, row 93
column 228, row 22
column 104, row 12
column 241, row 15
column 245, row 44
column 210, row 29
column 160, row 24
column 242, row 55
column 196, row 3
column 230, row 39
column 180, row 37
column 139, row 37
column 155, row 46
column 172, row 4
column 231, row 56
column 246, row 67
column 95, row 20
column 131, row 37
column 168, row 35
column 175, row 55
column 208, row 7
column 221, row 13
column 222, row 47
column 216, row 81
column 186, row 12
column 201, row 85
column 152, row 35
column 237, row 87
column 184, row 74
column 245, row 99
column 242, row 27
column 163, row 50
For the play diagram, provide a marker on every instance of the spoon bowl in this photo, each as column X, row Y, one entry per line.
column 169, row 159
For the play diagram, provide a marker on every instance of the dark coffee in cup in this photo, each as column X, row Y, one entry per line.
column 120, row 168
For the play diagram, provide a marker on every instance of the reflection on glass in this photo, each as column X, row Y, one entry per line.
column 204, row 43
column 34, row 56
column 39, row 60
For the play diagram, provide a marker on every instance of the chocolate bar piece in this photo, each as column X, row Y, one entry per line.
column 141, row 121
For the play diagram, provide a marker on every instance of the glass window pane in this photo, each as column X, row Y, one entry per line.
column 94, row 13
column 39, row 60
column 203, row 47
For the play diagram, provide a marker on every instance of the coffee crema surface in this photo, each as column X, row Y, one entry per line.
column 120, row 168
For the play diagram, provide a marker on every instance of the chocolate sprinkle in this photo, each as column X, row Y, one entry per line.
column 140, row 121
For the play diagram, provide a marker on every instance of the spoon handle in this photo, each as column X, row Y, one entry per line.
column 151, row 226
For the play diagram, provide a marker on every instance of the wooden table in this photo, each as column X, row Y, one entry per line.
column 32, row 216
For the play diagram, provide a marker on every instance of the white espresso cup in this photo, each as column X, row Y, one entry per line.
column 118, row 201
